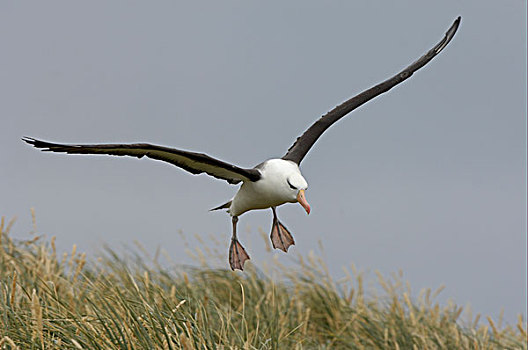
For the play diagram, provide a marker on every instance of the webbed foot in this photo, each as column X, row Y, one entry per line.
column 237, row 255
column 281, row 238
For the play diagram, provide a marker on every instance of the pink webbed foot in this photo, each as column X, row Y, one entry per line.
column 281, row 238
column 237, row 255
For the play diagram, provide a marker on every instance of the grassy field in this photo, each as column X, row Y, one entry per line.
column 71, row 301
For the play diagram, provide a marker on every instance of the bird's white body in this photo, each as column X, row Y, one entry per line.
column 280, row 183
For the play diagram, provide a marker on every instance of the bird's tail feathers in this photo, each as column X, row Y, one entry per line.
column 223, row 206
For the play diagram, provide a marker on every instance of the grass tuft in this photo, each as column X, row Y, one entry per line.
column 114, row 302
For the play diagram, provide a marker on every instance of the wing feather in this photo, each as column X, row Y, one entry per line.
column 195, row 163
column 303, row 143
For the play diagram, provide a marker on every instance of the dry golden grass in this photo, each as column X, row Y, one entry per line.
column 113, row 302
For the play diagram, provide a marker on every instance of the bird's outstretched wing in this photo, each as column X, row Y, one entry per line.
column 303, row 143
column 195, row 163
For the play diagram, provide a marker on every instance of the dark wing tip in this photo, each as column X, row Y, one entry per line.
column 448, row 36
column 45, row 146
column 33, row 142
column 28, row 139
column 452, row 30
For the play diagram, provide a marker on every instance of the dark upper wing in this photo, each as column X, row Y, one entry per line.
column 195, row 163
column 303, row 143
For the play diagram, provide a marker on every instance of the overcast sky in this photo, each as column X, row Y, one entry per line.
column 429, row 178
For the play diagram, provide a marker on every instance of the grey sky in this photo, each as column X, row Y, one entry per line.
column 429, row 178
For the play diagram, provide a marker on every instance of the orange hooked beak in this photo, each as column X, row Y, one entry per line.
column 302, row 201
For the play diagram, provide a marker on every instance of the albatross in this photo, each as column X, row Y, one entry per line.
column 269, row 184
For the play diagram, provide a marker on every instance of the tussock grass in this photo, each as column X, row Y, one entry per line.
column 73, row 301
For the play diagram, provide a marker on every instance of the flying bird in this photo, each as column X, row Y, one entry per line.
column 269, row 184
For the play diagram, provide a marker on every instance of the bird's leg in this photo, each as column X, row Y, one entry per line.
column 237, row 253
column 281, row 238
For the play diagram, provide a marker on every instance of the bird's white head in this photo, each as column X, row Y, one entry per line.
column 287, row 182
column 298, row 185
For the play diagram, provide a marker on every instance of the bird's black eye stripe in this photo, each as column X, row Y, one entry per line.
column 291, row 186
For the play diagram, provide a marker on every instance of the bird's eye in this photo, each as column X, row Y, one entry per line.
column 291, row 186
